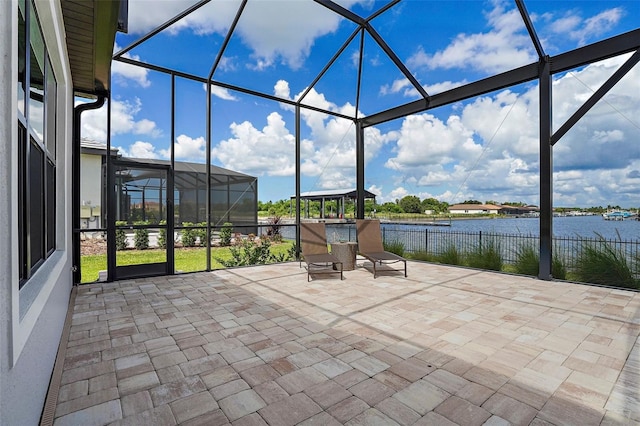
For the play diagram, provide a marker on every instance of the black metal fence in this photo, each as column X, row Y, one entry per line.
column 568, row 249
column 435, row 241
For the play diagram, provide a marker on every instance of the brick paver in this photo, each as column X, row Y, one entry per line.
column 327, row 393
column 290, row 411
column 241, row 404
column 261, row 345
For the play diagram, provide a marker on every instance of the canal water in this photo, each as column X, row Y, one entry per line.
column 566, row 226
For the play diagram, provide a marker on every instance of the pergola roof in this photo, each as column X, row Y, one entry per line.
column 351, row 194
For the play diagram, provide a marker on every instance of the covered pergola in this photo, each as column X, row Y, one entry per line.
column 541, row 71
column 339, row 196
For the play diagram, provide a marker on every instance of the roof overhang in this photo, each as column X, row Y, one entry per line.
column 90, row 27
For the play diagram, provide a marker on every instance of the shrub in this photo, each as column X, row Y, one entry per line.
column 141, row 236
column 225, row 234
column 250, row 252
column 121, row 236
column 485, row 256
column 273, row 231
column 162, row 235
column 601, row 263
column 527, row 260
column 395, row 246
column 201, row 233
column 422, row 255
column 558, row 270
column 450, row 256
column 291, row 253
column 188, row 235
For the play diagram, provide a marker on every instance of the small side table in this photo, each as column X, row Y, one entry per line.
column 346, row 252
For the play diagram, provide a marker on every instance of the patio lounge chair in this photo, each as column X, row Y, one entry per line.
column 370, row 245
column 313, row 242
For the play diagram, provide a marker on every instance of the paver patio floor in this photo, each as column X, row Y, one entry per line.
column 261, row 345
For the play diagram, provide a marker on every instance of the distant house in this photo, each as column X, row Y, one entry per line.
column 92, row 163
column 529, row 210
column 474, row 209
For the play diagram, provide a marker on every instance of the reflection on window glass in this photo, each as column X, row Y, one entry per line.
column 51, row 207
column 36, row 64
column 36, row 204
column 22, row 55
column 50, row 137
column 22, row 192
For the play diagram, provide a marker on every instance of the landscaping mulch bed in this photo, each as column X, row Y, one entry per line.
column 93, row 246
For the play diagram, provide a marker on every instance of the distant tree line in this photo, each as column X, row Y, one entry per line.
column 407, row 204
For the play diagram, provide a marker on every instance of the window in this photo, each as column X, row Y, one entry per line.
column 22, row 49
column 36, row 146
column 50, row 110
column 35, row 190
column 36, row 57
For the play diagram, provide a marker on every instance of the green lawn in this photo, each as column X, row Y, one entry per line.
column 186, row 259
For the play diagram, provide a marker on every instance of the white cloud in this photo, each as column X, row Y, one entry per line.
column 281, row 89
column 268, row 151
column 608, row 136
column 145, row 127
column 396, row 87
column 506, row 122
column 213, row 17
column 275, row 31
column 139, row 149
column 609, row 129
column 573, row 26
column 123, row 72
column 443, row 86
column 489, row 147
column 563, row 25
column 403, row 85
column 328, row 151
column 188, row 148
column 426, row 140
column 355, row 58
column 123, row 121
column 376, row 190
column 596, row 25
column 505, row 46
column 220, row 92
column 397, row 194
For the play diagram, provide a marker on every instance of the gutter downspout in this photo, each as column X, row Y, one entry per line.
column 75, row 178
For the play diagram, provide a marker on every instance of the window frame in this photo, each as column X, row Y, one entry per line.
column 37, row 218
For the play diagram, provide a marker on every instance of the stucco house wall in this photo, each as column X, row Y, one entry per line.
column 474, row 209
column 32, row 318
column 90, row 190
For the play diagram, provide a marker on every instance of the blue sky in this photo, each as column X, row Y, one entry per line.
column 485, row 148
